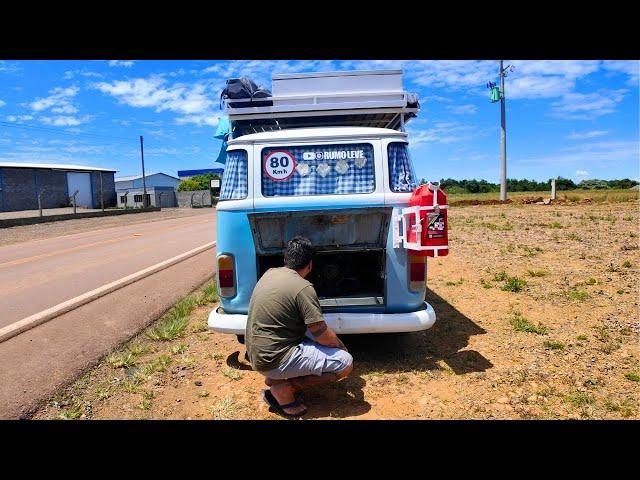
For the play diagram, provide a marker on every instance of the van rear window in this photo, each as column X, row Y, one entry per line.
column 318, row 170
column 234, row 179
column 401, row 175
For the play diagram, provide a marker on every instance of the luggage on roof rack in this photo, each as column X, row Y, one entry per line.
column 244, row 91
column 358, row 98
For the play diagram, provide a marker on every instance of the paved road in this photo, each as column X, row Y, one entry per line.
column 39, row 274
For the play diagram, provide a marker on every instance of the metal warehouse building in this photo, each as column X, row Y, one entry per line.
column 20, row 184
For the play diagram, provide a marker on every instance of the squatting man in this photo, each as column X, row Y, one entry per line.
column 286, row 336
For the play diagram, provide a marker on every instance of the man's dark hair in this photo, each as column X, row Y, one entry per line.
column 299, row 253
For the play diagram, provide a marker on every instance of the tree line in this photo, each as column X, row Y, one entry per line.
column 197, row 182
column 451, row 185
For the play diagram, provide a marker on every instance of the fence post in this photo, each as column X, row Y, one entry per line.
column 202, row 199
column 192, row 195
column 553, row 189
column 40, row 200
column 74, row 200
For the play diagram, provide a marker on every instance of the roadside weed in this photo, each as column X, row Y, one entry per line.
column 522, row 324
column 554, row 345
column 538, row 273
column 168, row 329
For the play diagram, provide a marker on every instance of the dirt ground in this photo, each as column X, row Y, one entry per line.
column 41, row 231
column 537, row 319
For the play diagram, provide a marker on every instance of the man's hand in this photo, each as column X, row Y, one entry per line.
column 323, row 334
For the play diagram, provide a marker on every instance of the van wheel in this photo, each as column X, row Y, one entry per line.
column 240, row 339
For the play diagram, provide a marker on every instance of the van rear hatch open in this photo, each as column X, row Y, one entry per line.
column 350, row 244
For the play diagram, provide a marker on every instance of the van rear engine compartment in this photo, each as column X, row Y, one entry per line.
column 350, row 246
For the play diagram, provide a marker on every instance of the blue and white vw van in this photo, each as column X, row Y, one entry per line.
column 341, row 186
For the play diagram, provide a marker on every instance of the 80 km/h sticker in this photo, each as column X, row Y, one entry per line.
column 279, row 165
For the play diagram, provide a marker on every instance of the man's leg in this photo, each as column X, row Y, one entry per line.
column 311, row 365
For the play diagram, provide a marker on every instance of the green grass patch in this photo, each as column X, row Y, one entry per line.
column 224, row 409
column 180, row 348
column 538, row 273
column 573, row 236
column 582, row 338
column 553, row 345
column 627, row 264
column 576, row 294
column 232, row 373
column 530, row 251
column 633, row 376
column 457, row 282
column 580, row 399
column 591, row 281
column 556, row 225
column 492, row 226
column 500, row 276
column 200, row 326
column 522, row 324
column 485, row 284
column 72, row 413
column 513, row 284
column 121, row 359
column 168, row 329
column 209, row 294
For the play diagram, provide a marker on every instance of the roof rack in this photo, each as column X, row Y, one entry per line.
column 359, row 98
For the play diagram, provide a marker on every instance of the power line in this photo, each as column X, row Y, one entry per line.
column 59, row 132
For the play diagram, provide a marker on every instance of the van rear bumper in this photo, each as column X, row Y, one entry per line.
column 341, row 323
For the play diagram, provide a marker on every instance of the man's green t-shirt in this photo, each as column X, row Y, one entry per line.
column 282, row 305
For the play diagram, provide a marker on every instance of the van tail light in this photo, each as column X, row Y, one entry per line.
column 226, row 277
column 417, row 272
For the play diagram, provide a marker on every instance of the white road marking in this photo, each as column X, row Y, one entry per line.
column 64, row 307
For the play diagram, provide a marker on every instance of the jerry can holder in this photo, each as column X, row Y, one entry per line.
column 400, row 223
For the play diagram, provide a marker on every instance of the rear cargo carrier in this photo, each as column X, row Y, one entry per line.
column 350, row 245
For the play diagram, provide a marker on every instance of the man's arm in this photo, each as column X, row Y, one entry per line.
column 324, row 335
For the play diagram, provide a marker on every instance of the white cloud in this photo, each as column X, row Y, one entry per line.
column 2, row 104
column 65, row 109
column 154, row 93
column 462, row 109
column 585, row 135
column 582, row 173
column 63, row 121
column 629, row 67
column 22, row 118
column 587, row 106
column 193, row 103
column 60, row 97
column 121, row 63
column 443, row 132
column 602, row 154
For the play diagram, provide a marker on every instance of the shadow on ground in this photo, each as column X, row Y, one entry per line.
column 394, row 353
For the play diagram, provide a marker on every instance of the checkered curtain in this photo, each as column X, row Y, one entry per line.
column 234, row 180
column 354, row 180
column 401, row 177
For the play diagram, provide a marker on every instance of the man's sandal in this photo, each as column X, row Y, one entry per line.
column 270, row 400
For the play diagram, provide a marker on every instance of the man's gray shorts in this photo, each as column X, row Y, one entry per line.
column 311, row 358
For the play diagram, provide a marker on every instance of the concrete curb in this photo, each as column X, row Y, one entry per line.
column 44, row 316
column 17, row 222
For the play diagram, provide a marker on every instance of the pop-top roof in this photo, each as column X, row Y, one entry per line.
column 357, row 99
column 55, row 166
column 316, row 133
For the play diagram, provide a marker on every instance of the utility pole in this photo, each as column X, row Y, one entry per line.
column 503, row 139
column 144, row 181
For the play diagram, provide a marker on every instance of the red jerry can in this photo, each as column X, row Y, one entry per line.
column 429, row 236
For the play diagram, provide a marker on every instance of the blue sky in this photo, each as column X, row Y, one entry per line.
column 576, row 119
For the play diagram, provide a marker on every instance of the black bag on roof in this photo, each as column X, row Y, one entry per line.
column 244, row 88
